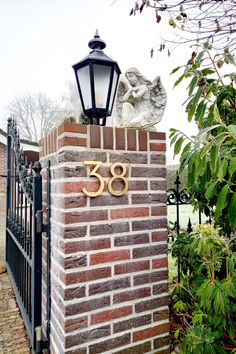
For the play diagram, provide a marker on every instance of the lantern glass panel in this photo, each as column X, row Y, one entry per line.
column 101, row 84
column 85, row 87
column 115, row 78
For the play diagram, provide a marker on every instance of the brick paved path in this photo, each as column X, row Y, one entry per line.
column 13, row 336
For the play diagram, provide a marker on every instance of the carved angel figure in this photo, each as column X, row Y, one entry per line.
column 140, row 102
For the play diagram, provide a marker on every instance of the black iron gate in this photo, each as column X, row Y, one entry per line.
column 178, row 197
column 24, row 234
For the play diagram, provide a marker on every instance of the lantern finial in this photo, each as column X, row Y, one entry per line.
column 96, row 43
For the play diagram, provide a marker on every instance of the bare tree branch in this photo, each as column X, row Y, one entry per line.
column 195, row 20
column 36, row 114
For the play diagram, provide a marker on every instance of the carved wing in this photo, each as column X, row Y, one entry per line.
column 158, row 97
column 123, row 87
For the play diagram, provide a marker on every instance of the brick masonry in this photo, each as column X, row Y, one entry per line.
column 109, row 272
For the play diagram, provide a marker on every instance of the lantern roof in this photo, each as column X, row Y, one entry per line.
column 97, row 44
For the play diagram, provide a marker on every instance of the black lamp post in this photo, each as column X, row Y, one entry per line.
column 97, row 77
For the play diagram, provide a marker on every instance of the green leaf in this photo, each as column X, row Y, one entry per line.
column 205, row 149
column 221, row 201
column 176, row 334
column 214, row 156
column 200, row 56
column 229, row 58
column 217, row 115
column 180, row 306
column 196, row 163
column 220, row 138
column 197, row 318
column 207, row 71
column 185, row 156
column 191, row 108
column 187, row 148
column 232, row 76
column 223, row 166
column 193, row 84
column 206, row 45
column 172, row 132
column 175, row 70
column 191, row 175
column 210, row 192
column 205, row 291
column 202, row 166
column 200, row 112
column 178, row 145
column 223, row 95
column 179, row 80
column 174, row 138
column 190, row 102
column 232, row 129
column 232, row 167
column 219, row 303
column 210, row 117
column 232, row 212
column 208, row 129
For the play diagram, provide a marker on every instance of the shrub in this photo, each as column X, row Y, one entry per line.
column 204, row 303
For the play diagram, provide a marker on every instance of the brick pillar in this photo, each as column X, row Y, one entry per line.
column 109, row 273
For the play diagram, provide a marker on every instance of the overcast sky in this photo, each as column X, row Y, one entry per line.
column 41, row 39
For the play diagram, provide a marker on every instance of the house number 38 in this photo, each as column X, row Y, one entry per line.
column 114, row 177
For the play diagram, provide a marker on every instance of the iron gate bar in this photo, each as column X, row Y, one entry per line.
column 21, row 303
column 29, row 261
column 37, row 254
column 48, row 230
column 23, row 239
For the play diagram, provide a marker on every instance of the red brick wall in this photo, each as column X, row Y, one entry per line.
column 3, row 167
column 109, row 254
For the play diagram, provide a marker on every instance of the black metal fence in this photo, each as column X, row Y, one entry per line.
column 23, row 233
column 178, row 197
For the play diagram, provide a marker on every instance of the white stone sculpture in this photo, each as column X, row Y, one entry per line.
column 140, row 102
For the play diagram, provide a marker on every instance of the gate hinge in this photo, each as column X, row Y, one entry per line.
column 45, row 228
column 41, row 345
column 45, row 345
column 41, row 227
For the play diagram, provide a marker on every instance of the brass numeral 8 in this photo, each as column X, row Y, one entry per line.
column 120, row 176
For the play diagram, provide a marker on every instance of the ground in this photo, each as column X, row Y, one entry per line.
column 13, row 336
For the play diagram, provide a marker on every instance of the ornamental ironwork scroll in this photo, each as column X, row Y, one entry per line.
column 176, row 196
